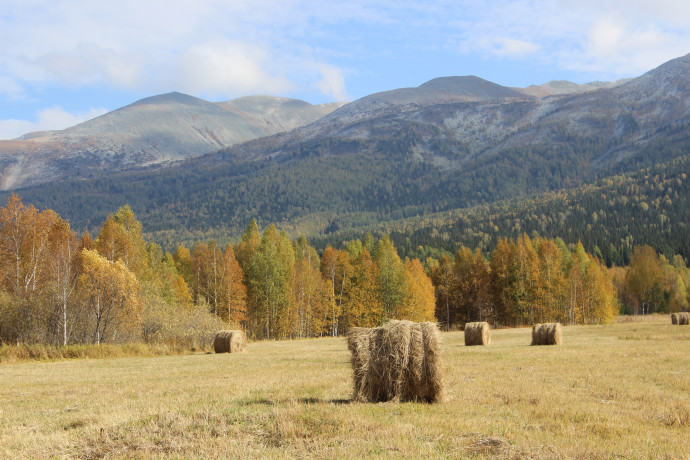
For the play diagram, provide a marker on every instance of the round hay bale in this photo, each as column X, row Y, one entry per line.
column 478, row 333
column 398, row 361
column 547, row 334
column 234, row 341
column 674, row 318
column 358, row 339
column 684, row 318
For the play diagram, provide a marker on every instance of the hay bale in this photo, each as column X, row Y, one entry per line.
column 547, row 334
column 674, row 318
column 477, row 333
column 234, row 341
column 398, row 361
column 683, row 318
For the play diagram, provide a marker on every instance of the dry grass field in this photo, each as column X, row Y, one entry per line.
column 615, row 391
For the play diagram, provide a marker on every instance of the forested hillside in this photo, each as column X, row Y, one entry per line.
column 610, row 217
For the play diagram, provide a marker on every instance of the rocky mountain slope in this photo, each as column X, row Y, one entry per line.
column 457, row 121
column 152, row 131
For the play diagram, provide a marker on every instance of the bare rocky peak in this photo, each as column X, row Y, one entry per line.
column 471, row 87
column 444, row 90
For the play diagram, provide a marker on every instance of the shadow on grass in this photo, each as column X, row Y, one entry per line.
column 324, row 401
column 256, row 401
column 271, row 402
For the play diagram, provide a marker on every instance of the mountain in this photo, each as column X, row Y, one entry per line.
column 470, row 120
column 555, row 87
column 153, row 131
column 444, row 90
column 446, row 146
column 170, row 127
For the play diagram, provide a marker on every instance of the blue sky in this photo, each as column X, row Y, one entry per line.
column 63, row 62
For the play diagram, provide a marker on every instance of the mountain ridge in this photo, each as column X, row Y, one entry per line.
column 152, row 131
column 171, row 127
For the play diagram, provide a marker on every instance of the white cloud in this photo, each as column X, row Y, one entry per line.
column 511, row 47
column 332, row 83
column 88, row 64
column 225, row 67
column 46, row 119
column 614, row 39
column 208, row 47
column 628, row 48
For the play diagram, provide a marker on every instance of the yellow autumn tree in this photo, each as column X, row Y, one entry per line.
column 111, row 292
column 549, row 296
column 234, row 295
column 24, row 248
column 313, row 301
column 63, row 272
column 645, row 271
column 420, row 301
column 363, row 306
column 121, row 238
column 336, row 267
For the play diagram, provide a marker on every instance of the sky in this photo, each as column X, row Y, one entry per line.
column 67, row 61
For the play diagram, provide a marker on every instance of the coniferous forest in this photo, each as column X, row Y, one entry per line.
column 61, row 287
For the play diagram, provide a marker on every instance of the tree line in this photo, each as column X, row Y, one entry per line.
column 524, row 282
column 60, row 287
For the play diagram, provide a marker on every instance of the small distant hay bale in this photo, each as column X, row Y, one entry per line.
column 683, row 318
column 478, row 333
column 399, row 361
column 674, row 318
column 547, row 334
column 234, row 341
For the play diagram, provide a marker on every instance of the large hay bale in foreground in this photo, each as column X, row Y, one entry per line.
column 234, row 341
column 674, row 318
column 547, row 334
column 477, row 333
column 398, row 361
column 683, row 318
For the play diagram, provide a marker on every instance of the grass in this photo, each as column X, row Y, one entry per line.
column 23, row 352
column 615, row 391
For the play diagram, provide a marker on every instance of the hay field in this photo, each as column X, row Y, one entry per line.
column 615, row 391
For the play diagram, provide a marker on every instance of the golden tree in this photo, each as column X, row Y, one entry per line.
column 336, row 267
column 111, row 292
column 443, row 275
column 312, row 294
column 63, row 269
column 24, row 247
column 420, row 301
column 234, row 294
column 644, row 272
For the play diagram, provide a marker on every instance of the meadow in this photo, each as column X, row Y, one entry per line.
column 611, row 391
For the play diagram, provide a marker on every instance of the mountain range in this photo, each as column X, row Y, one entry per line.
column 449, row 144
column 153, row 131
column 167, row 128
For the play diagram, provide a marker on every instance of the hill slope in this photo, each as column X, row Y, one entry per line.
column 153, row 131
